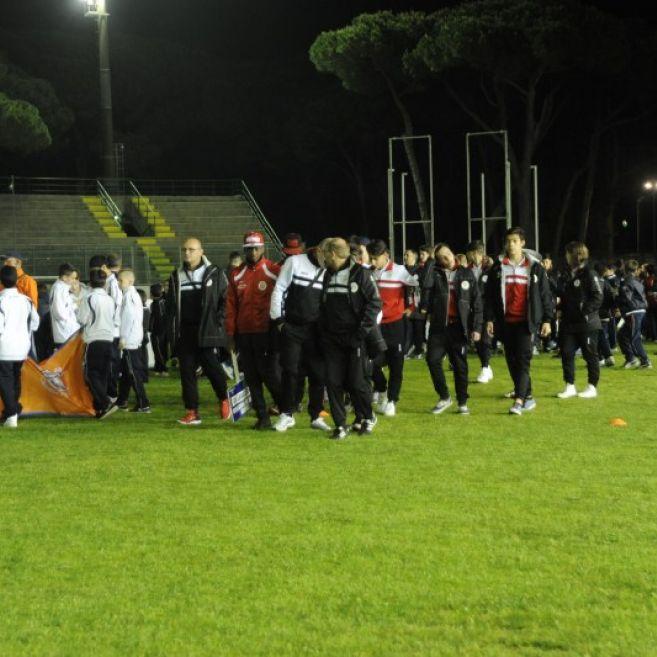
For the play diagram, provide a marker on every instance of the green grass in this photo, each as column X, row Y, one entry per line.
column 486, row 535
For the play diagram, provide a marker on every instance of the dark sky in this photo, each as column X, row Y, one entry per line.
column 277, row 28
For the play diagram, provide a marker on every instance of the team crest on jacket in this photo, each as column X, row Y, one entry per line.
column 465, row 285
column 354, row 287
column 576, row 282
column 262, row 286
column 484, row 278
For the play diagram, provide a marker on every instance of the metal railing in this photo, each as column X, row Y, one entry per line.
column 109, row 203
column 231, row 187
column 69, row 186
column 266, row 226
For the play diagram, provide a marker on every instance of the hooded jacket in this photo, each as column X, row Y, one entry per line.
column 581, row 293
column 631, row 297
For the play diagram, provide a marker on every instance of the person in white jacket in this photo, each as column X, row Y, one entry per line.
column 63, row 306
column 18, row 320
column 133, row 368
column 96, row 316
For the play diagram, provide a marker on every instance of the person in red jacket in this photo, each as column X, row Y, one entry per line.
column 248, row 323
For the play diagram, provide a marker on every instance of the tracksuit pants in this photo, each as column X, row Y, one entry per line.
column 604, row 348
column 419, row 337
column 483, row 348
column 114, row 370
column 190, row 356
column 518, row 347
column 629, row 338
column 133, row 375
column 160, row 351
column 346, row 371
column 587, row 341
column 452, row 342
column 300, row 355
column 261, row 368
column 393, row 357
column 97, row 363
column 10, row 387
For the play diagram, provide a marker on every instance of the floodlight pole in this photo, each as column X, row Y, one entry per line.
column 98, row 9
column 534, row 170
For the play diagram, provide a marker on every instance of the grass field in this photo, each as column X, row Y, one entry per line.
column 486, row 535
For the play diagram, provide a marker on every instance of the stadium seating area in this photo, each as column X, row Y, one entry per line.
column 53, row 228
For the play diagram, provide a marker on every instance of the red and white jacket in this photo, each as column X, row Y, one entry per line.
column 393, row 281
column 249, row 297
column 515, row 289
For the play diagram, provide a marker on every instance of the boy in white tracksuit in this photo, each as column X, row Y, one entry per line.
column 63, row 307
column 18, row 320
column 96, row 316
column 133, row 368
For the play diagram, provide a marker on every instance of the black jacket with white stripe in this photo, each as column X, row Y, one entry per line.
column 298, row 291
column 350, row 302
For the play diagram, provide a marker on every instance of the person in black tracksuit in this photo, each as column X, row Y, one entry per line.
column 606, row 317
column 581, row 294
column 158, row 330
column 518, row 304
column 452, row 300
column 295, row 313
column 418, row 321
column 632, row 304
column 477, row 262
column 348, row 313
column 195, row 312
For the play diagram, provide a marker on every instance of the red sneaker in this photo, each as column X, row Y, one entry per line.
column 225, row 410
column 191, row 418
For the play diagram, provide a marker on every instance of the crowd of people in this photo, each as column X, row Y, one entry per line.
column 341, row 315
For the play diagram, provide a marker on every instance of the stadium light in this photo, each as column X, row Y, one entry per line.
column 97, row 9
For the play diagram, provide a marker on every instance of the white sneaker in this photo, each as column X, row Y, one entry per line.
column 376, row 397
column 590, row 392
column 11, row 422
column 569, row 391
column 383, row 403
column 285, row 421
column 320, row 424
column 486, row 375
column 442, row 405
column 389, row 409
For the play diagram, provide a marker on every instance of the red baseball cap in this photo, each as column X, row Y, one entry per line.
column 253, row 239
column 293, row 244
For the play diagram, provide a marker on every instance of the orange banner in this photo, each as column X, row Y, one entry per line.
column 57, row 386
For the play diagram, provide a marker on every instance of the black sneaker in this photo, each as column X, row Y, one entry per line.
column 263, row 424
column 339, row 433
column 368, row 426
column 137, row 409
column 123, row 406
column 647, row 365
column 112, row 408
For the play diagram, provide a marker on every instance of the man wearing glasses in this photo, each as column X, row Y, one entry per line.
column 195, row 312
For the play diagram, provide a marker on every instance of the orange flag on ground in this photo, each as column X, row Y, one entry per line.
column 57, row 386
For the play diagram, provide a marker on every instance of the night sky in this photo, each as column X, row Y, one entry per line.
column 260, row 46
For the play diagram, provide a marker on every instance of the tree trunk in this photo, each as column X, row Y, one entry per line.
column 354, row 172
column 613, row 198
column 409, row 148
column 589, row 186
column 563, row 212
